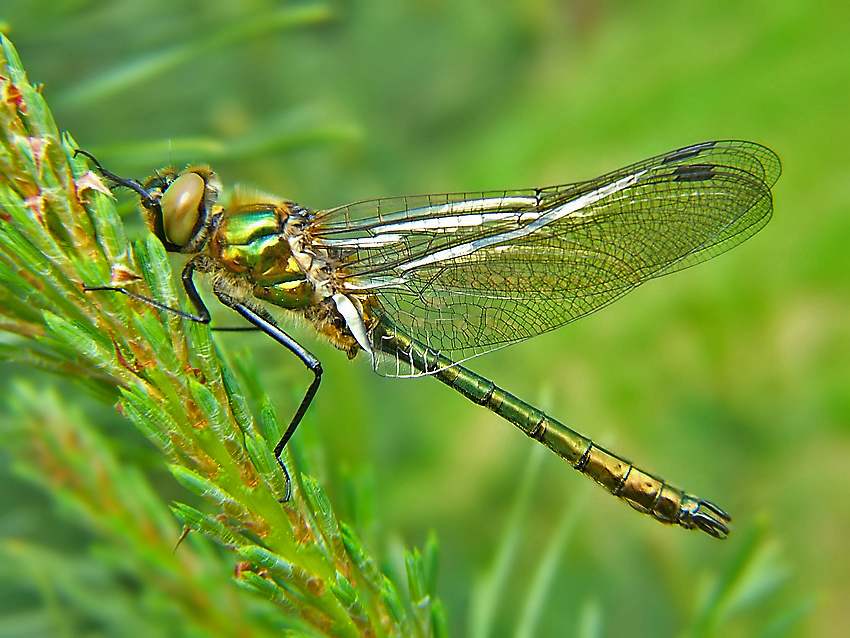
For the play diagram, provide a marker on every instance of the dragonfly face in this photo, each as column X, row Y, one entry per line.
column 256, row 248
column 178, row 207
column 421, row 283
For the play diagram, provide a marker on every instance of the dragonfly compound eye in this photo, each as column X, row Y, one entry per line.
column 180, row 206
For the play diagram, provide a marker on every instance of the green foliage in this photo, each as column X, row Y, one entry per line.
column 60, row 231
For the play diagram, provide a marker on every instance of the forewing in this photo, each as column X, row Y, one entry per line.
column 466, row 273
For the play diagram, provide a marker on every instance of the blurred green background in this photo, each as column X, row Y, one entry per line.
column 731, row 379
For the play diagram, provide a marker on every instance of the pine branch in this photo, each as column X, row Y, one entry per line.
column 59, row 231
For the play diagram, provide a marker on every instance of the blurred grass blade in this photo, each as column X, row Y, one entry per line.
column 753, row 573
column 550, row 561
column 145, row 69
column 490, row 587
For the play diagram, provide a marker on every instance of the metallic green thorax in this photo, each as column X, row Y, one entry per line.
column 249, row 241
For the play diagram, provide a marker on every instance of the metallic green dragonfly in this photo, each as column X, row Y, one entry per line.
column 420, row 284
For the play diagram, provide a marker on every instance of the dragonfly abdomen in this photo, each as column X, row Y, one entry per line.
column 643, row 491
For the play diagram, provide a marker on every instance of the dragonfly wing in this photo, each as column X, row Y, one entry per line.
column 465, row 274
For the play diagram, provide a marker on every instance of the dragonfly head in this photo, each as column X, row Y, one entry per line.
column 178, row 206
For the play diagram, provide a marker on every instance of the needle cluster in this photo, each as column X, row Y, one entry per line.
column 59, row 232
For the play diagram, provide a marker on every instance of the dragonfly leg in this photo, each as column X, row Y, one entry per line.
column 189, row 286
column 203, row 315
column 263, row 321
column 132, row 184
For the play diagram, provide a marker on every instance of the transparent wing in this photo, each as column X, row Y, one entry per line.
column 466, row 273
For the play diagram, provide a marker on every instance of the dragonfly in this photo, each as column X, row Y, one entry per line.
column 420, row 284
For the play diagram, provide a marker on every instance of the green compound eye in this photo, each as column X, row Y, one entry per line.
column 180, row 204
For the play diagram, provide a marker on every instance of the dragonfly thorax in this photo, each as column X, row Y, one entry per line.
column 252, row 240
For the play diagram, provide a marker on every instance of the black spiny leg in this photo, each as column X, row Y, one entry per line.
column 203, row 315
column 132, row 184
column 263, row 321
column 260, row 320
